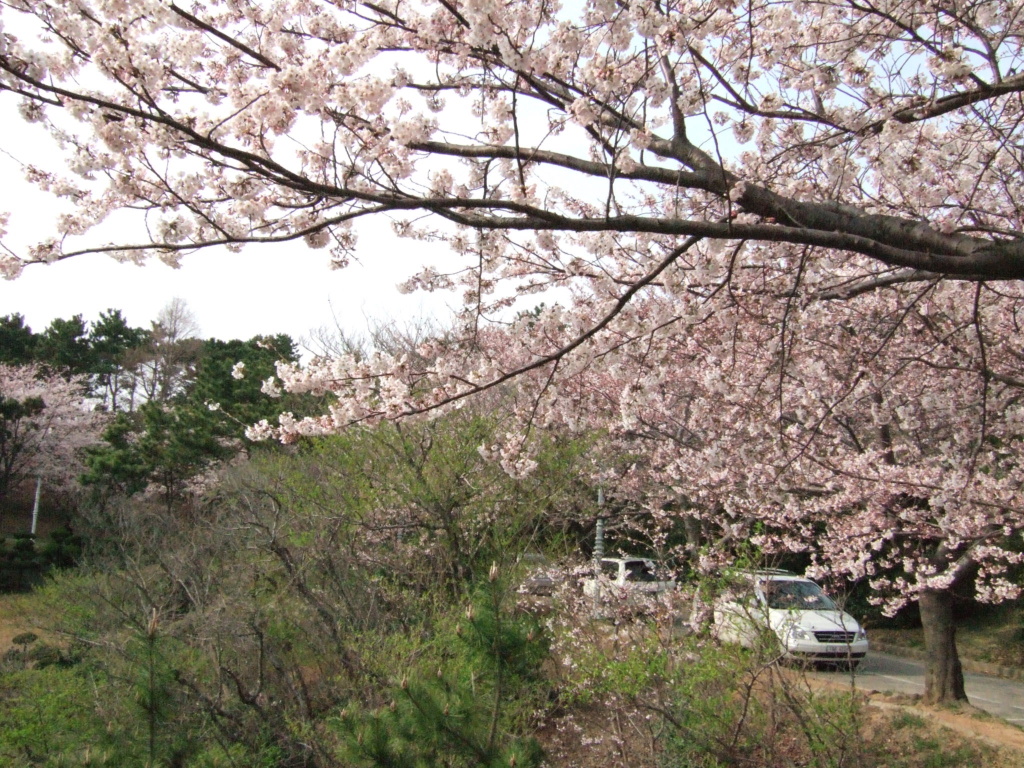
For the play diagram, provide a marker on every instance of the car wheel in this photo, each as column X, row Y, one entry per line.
column 848, row 665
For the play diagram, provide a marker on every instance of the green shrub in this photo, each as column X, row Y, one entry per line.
column 464, row 698
column 53, row 715
column 45, row 655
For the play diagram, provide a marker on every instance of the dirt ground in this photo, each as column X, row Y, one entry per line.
column 967, row 721
column 621, row 737
column 12, row 622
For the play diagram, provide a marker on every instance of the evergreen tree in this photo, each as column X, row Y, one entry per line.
column 64, row 348
column 160, row 448
column 115, row 348
column 236, row 391
column 17, row 342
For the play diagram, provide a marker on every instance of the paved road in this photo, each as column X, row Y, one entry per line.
column 881, row 672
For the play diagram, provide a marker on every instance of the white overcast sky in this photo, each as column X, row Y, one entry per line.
column 263, row 290
column 285, row 288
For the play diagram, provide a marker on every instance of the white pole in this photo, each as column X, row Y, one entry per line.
column 35, row 506
column 598, row 550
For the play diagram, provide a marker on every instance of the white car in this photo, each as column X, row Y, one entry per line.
column 806, row 621
column 626, row 579
column 542, row 577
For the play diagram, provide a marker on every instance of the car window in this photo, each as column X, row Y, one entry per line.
column 798, row 595
column 609, row 569
column 639, row 570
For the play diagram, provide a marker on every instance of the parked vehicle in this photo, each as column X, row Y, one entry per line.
column 795, row 612
column 542, row 578
column 626, row 579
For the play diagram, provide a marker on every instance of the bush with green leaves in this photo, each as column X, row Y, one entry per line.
column 56, row 715
column 473, row 709
column 306, row 579
column 111, row 692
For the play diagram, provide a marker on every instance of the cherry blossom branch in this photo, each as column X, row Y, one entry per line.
column 872, row 283
column 827, row 225
column 565, row 349
column 946, row 104
column 235, row 43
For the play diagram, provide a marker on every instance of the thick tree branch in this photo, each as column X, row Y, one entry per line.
column 226, row 38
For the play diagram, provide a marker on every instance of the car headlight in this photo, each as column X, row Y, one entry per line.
column 798, row 633
column 862, row 633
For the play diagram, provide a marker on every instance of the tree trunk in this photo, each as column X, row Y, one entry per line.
column 694, row 532
column 944, row 678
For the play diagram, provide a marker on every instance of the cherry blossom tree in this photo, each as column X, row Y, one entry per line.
column 881, row 137
column 879, row 436
column 791, row 232
column 44, row 423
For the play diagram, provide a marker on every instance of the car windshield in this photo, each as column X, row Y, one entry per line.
column 798, row 595
column 639, row 570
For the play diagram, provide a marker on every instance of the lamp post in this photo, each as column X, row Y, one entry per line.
column 35, row 505
column 598, row 547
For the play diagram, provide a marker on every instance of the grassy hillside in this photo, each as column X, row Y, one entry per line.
column 990, row 634
column 355, row 603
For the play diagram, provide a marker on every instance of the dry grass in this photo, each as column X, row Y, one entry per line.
column 873, row 730
column 895, row 735
column 13, row 620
